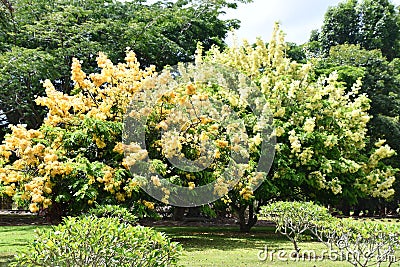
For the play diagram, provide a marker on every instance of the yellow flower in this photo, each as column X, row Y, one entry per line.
column 280, row 112
column 221, row 143
column 279, row 131
column 191, row 185
column 108, row 175
column 120, row 197
column 306, row 155
column 294, row 142
column 214, row 127
column 156, row 181
column 33, row 207
column 190, row 89
column 380, row 142
column 9, row 190
column 37, row 198
column 246, row 193
column 50, row 158
column 47, row 190
column 309, row 125
column 100, row 143
column 148, row 204
column 46, row 203
column 203, row 137
column 163, row 125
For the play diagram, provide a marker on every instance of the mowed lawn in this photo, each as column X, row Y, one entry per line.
column 205, row 246
column 226, row 247
column 14, row 239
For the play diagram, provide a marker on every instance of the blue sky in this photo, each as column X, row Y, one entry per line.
column 297, row 18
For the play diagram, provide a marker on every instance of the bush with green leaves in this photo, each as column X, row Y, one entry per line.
column 113, row 211
column 361, row 243
column 91, row 241
column 294, row 219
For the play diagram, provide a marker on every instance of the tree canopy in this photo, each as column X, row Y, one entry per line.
column 368, row 23
column 38, row 40
column 323, row 151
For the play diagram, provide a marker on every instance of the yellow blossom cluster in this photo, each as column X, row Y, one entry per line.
column 221, row 188
column 246, row 193
column 103, row 95
column 32, row 162
column 148, row 204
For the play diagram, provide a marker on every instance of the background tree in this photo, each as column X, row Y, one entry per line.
column 371, row 24
column 341, row 25
column 46, row 36
column 380, row 28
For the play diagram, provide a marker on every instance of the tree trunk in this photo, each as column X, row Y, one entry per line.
column 194, row 212
column 179, row 213
column 247, row 221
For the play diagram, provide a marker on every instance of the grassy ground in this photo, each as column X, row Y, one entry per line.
column 227, row 247
column 14, row 239
column 205, row 246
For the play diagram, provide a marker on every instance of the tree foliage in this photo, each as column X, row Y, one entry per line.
column 371, row 24
column 380, row 81
column 75, row 158
column 321, row 129
column 39, row 39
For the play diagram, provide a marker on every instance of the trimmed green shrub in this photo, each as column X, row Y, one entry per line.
column 294, row 219
column 113, row 211
column 361, row 243
column 91, row 241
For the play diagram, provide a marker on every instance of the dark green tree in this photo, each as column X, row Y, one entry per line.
column 296, row 52
column 341, row 25
column 380, row 28
column 369, row 23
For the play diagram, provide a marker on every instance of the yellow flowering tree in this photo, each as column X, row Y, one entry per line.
column 76, row 157
column 195, row 132
column 320, row 129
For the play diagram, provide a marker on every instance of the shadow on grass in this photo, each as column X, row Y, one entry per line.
column 5, row 259
column 16, row 229
column 222, row 238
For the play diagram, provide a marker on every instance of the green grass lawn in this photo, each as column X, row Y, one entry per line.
column 227, row 247
column 14, row 239
column 203, row 246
